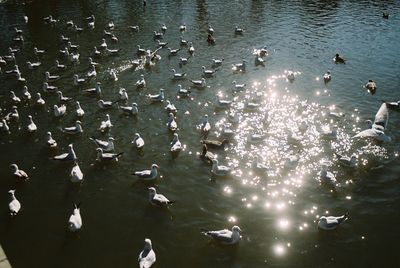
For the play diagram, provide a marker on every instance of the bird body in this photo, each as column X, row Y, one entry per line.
column 130, row 110
column 329, row 223
column 106, row 124
column 346, row 161
column 75, row 220
column 171, row 124
column 31, row 126
column 60, row 110
column 227, row 237
column 157, row 97
column 149, row 174
column 50, row 141
column 176, row 145
column 205, row 126
column 79, row 111
column 107, row 146
column 170, row 108
column 147, row 257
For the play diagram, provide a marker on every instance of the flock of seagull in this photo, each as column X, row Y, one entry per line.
column 106, row 148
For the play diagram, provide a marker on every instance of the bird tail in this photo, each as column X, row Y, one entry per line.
column 171, row 202
column 119, row 154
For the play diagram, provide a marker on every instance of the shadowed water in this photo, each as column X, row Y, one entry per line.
column 272, row 119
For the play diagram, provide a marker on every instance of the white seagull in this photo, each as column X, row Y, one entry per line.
column 106, row 124
column 225, row 236
column 50, row 141
column 219, row 170
column 147, row 175
column 158, row 200
column 147, row 257
column 14, row 206
column 107, row 146
column 101, row 156
column 176, row 145
column 138, row 141
column 60, row 110
column 76, row 173
column 19, row 173
column 31, row 126
column 75, row 220
column 74, row 129
column 331, row 222
column 69, row 156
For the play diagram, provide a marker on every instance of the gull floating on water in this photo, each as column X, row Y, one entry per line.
column 79, row 111
column 19, row 173
column 158, row 200
column 170, row 108
column 75, row 220
column 39, row 100
column 171, row 124
column 93, row 91
column 105, row 104
column 225, row 236
column 176, row 145
column 346, row 161
column 326, row 176
column 147, row 175
column 157, row 97
column 147, row 257
column 77, row 129
column 129, row 110
column 138, row 141
column 69, row 156
column 106, row 124
column 219, row 170
column 50, row 141
column 101, row 156
column 26, row 95
column 31, row 126
column 61, row 97
column 327, row 77
column 76, row 173
column 205, row 126
column 107, row 146
column 59, row 110
column 177, row 75
column 331, row 222
column 141, row 82
column 14, row 206
column 183, row 92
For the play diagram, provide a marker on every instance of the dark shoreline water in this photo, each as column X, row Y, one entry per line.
column 278, row 214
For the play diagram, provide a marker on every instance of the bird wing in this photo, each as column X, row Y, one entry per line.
column 160, row 199
column 61, row 156
column 143, row 173
column 222, row 235
column 382, row 116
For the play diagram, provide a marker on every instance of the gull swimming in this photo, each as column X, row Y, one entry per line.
column 77, row 129
column 26, row 95
column 171, row 124
column 157, row 97
column 346, row 161
column 206, row 155
column 176, row 145
column 79, row 111
column 199, row 83
column 225, row 236
column 101, row 156
column 50, row 141
column 48, row 88
column 107, row 146
column 170, row 108
column 331, row 222
column 31, row 126
column 106, row 124
column 61, row 97
column 205, row 126
column 138, row 141
column 219, row 170
column 215, row 143
column 177, row 75
column 147, row 257
column 371, row 86
column 158, row 200
column 141, row 82
column 39, row 100
column 69, row 156
column 93, row 91
column 182, row 92
column 76, row 173
column 59, row 110
column 19, row 173
column 14, row 206
column 105, row 104
column 147, row 175
column 75, row 220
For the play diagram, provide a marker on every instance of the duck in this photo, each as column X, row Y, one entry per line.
column 107, row 146
column 39, row 100
column 169, row 107
column 215, row 143
column 148, row 174
column 101, row 156
column 205, row 126
column 31, row 126
column 158, row 200
column 59, row 111
column 138, row 141
column 79, row 111
column 14, row 206
column 329, row 223
column 147, row 257
column 157, row 97
column 69, row 156
column 77, row 129
column 141, row 82
column 327, row 77
column 19, row 173
column 33, row 65
column 225, row 236
column 219, row 170
column 206, row 155
column 76, row 174
column 171, row 124
column 182, row 92
column 338, row 59
column 176, row 145
column 199, row 83
column 75, row 220
column 177, row 75
column 290, row 76
column 371, row 86
column 346, row 161
column 106, row 124
column 130, row 110
column 50, row 142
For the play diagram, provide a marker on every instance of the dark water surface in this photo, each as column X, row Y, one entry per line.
column 278, row 213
